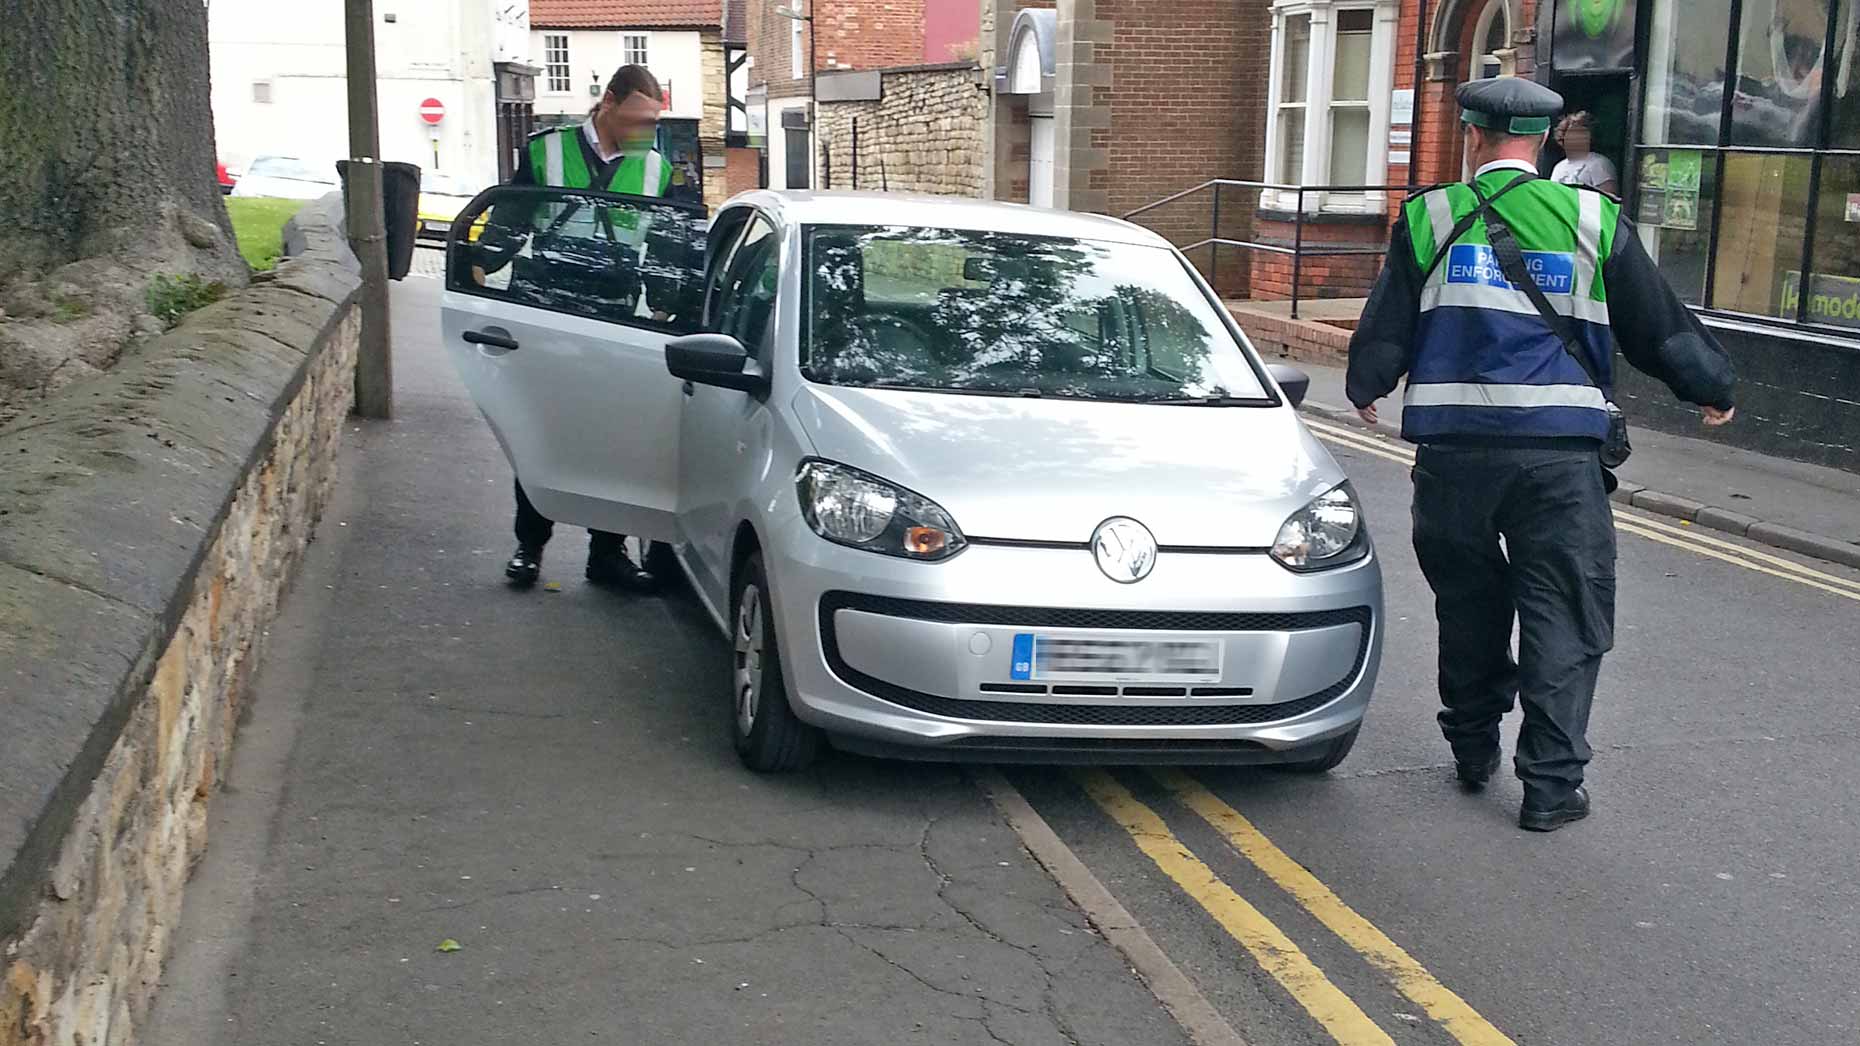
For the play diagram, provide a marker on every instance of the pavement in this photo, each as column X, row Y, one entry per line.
column 545, row 778
column 1787, row 504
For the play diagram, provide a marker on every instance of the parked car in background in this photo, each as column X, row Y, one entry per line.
column 227, row 178
column 957, row 479
column 442, row 197
column 287, row 178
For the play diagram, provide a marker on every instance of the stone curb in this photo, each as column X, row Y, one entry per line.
column 1776, row 535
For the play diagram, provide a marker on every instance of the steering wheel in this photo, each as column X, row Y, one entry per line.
column 870, row 323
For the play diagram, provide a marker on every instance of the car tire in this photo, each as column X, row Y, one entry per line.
column 769, row 737
column 1324, row 757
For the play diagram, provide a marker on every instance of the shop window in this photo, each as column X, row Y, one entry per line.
column 1764, row 198
column 1779, row 73
column 1674, row 203
column 1834, row 294
column 1736, row 199
column 1332, row 76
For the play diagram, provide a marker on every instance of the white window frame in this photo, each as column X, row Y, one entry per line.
column 636, row 49
column 1320, row 74
column 560, row 79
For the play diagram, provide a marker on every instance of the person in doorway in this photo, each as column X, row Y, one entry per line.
column 612, row 150
column 1580, row 165
column 1509, row 368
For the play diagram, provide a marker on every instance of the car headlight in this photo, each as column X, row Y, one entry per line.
column 1326, row 533
column 859, row 510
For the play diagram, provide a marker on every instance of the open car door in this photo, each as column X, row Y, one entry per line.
column 557, row 315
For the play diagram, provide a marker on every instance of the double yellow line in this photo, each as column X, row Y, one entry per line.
column 1276, row 953
column 1630, row 522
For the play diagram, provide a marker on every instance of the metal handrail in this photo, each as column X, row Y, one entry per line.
column 1215, row 241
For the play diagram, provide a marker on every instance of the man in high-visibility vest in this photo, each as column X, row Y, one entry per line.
column 610, row 151
column 1501, row 303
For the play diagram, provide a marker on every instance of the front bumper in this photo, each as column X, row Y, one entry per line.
column 915, row 659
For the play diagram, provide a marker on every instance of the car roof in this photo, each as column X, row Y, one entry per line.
column 808, row 207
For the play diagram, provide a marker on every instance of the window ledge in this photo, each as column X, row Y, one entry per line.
column 1289, row 215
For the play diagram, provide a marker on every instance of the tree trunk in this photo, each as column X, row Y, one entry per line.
column 107, row 131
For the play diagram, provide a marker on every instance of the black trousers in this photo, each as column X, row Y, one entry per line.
column 534, row 529
column 1554, row 573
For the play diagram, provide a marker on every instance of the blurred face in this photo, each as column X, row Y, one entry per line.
column 1577, row 141
column 628, row 122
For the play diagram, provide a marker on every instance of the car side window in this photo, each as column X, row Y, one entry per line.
column 746, row 301
column 632, row 260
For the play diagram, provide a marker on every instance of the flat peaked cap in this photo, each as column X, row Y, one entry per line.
column 1509, row 104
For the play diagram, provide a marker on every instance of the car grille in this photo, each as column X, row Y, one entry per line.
column 1082, row 714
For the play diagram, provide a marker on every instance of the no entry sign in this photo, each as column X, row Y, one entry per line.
column 432, row 111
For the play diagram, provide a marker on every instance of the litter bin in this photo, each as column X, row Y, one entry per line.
column 400, row 205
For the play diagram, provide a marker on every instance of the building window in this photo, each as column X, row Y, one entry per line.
column 1738, row 198
column 555, row 58
column 1491, row 34
column 633, row 49
column 796, row 56
column 1332, row 75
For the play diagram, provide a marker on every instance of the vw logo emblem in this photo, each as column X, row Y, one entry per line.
column 1125, row 550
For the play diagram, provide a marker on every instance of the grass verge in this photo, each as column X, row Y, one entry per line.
column 258, row 225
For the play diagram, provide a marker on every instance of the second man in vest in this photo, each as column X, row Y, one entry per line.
column 1511, row 409
column 612, row 151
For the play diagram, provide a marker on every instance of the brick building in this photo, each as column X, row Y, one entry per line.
column 897, row 67
column 1110, row 105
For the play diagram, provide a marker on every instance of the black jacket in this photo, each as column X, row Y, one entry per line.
column 1654, row 330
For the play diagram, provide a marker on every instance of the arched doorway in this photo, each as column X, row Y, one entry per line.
column 1467, row 40
column 1030, row 75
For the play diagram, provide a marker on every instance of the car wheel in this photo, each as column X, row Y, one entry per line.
column 769, row 737
column 1324, row 757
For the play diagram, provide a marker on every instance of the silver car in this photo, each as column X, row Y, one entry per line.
column 957, row 479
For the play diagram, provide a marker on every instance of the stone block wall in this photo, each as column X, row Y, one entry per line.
column 154, row 519
column 924, row 134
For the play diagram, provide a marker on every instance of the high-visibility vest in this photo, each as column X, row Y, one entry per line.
column 1485, row 361
column 557, row 159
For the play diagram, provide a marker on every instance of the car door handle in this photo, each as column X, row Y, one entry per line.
column 495, row 337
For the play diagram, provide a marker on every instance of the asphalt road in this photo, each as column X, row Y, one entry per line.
column 545, row 779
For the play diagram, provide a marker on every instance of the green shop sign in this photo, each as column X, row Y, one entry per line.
column 1832, row 299
column 1593, row 35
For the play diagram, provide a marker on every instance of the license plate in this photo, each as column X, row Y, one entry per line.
column 437, row 226
column 1116, row 659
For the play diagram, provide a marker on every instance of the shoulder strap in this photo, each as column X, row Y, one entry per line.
column 1511, row 261
column 1460, row 227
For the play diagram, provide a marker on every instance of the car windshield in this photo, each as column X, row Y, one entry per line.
column 286, row 167
column 981, row 312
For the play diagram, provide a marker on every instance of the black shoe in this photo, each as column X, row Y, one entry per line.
column 618, row 570
column 1473, row 776
column 1575, row 808
column 525, row 566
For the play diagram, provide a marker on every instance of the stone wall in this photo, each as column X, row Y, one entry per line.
column 150, row 522
column 923, row 134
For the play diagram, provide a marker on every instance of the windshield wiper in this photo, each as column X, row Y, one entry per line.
column 945, row 389
column 1209, row 401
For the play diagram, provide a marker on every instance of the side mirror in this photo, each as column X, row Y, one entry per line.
column 1293, row 382
column 714, row 359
